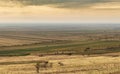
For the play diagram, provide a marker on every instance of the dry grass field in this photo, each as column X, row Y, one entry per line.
column 69, row 52
column 22, row 38
column 71, row 65
column 59, row 36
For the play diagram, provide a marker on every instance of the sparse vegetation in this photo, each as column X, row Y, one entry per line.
column 76, row 64
column 64, row 51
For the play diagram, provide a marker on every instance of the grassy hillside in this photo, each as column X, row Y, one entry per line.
column 71, row 65
column 19, row 43
column 69, row 52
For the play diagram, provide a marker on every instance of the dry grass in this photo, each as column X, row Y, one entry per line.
column 72, row 65
column 75, row 64
column 11, row 42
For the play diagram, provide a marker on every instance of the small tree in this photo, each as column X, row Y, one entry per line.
column 60, row 63
column 43, row 65
column 87, row 51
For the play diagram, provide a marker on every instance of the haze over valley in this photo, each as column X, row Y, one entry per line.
column 59, row 36
column 57, row 27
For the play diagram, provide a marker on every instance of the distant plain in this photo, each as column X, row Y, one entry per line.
column 81, row 51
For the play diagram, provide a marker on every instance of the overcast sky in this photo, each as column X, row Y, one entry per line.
column 78, row 11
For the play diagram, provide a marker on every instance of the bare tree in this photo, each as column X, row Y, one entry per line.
column 37, row 66
column 43, row 65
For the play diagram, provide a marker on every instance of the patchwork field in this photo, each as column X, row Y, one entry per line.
column 70, row 52
column 33, row 42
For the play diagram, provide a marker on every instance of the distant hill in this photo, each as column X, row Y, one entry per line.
column 57, row 27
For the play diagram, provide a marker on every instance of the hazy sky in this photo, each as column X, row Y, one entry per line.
column 83, row 11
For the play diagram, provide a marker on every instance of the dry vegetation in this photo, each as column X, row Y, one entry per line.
column 84, row 52
column 70, row 65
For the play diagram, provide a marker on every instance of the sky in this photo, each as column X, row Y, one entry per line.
column 47, row 11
